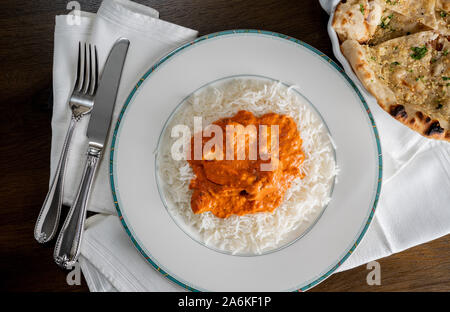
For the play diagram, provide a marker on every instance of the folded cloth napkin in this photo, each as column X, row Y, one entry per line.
column 413, row 207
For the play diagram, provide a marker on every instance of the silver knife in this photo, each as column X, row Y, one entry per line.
column 67, row 247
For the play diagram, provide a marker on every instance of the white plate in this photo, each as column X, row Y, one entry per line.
column 313, row 257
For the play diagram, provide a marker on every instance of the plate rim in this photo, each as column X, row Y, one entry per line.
column 232, row 32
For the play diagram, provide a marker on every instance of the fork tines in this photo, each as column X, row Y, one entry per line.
column 87, row 75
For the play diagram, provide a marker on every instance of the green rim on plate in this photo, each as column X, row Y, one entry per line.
column 262, row 32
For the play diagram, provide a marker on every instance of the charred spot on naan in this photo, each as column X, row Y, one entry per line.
column 434, row 127
column 421, row 123
column 398, row 112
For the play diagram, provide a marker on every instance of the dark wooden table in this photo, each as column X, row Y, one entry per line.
column 26, row 32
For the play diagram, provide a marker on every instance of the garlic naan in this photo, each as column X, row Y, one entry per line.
column 399, row 49
column 410, row 77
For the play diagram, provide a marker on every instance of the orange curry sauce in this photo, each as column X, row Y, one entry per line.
column 240, row 187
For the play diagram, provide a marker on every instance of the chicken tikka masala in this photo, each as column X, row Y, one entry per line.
column 240, row 187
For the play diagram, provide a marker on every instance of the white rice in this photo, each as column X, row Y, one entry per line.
column 304, row 201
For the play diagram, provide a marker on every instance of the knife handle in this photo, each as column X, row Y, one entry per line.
column 67, row 248
column 48, row 219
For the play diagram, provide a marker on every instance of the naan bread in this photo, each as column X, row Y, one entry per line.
column 393, row 25
column 399, row 49
column 356, row 19
column 422, row 11
column 409, row 76
column 443, row 16
column 376, row 21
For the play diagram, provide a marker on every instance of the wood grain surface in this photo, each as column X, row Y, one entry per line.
column 26, row 49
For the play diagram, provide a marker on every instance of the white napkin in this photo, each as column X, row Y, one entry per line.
column 413, row 207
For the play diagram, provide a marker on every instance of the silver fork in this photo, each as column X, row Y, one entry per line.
column 80, row 102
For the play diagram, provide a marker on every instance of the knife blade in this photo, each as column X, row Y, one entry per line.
column 67, row 248
column 106, row 94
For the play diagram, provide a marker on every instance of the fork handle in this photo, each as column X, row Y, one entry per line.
column 67, row 247
column 48, row 219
